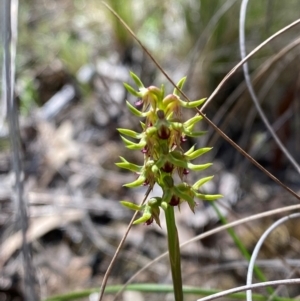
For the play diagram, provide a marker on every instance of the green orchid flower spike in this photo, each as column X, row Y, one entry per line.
column 162, row 134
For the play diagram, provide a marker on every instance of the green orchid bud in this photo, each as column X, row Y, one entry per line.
column 164, row 205
column 155, row 169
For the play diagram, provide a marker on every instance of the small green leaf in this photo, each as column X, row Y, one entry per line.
column 198, row 167
column 192, row 121
column 131, row 206
column 129, row 166
column 137, row 80
column 135, row 111
column 177, row 162
column 162, row 89
column 131, row 145
column 194, row 134
column 143, row 125
column 192, row 104
column 138, row 182
column 129, row 133
column 180, row 86
column 198, row 153
column 131, row 90
column 201, row 182
column 189, row 151
column 126, row 141
column 185, row 196
column 209, row 197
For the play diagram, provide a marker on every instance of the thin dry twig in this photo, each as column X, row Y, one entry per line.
column 105, row 278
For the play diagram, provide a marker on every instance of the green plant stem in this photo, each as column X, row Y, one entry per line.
column 174, row 253
column 155, row 288
column 258, row 272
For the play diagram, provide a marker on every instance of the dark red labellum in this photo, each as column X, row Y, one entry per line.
column 175, row 200
column 186, row 171
column 164, row 132
column 149, row 221
column 168, row 167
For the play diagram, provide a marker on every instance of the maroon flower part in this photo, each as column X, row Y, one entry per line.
column 185, row 171
column 175, row 200
column 168, row 167
column 163, row 132
column 149, row 221
column 138, row 103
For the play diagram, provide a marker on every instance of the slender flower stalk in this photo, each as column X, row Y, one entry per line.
column 160, row 140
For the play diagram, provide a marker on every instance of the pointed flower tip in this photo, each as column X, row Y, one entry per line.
column 137, row 80
column 130, row 205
